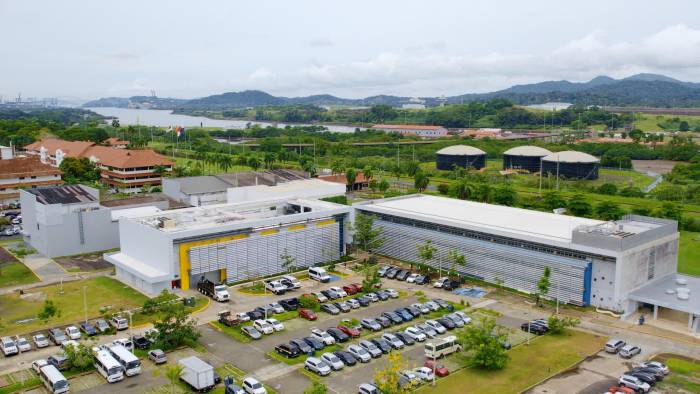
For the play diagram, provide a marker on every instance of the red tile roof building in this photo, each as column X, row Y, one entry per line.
column 124, row 170
column 116, row 143
column 24, row 173
column 360, row 181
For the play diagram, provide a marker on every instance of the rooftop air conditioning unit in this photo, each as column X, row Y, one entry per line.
column 164, row 222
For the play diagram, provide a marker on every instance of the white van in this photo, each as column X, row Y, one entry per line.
column 319, row 274
column 53, row 379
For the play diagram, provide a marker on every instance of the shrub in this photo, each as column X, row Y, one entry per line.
column 443, row 188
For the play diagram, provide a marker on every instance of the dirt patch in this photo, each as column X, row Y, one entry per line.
column 83, row 263
column 656, row 166
column 6, row 257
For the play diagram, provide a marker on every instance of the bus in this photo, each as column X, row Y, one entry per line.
column 53, row 379
column 442, row 347
column 128, row 360
column 108, row 367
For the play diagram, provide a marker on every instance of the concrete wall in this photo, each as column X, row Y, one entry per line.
column 139, row 284
column 171, row 188
column 148, row 245
column 603, row 285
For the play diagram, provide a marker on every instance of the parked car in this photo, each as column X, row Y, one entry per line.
column 370, row 324
column 408, row 377
column 88, row 329
column 403, row 275
column 371, row 348
column 440, row 282
column 40, row 340
column 263, row 326
column 323, row 336
column 320, row 297
column 276, row 324
column 119, row 323
column 141, row 342
column 392, row 293
column 416, row 334
column 290, row 304
column 382, row 295
column 383, row 321
column 422, row 280
column 629, row 351
column 364, row 301
column 393, row 340
column 382, row 344
column 316, row 344
column 443, row 304
column 437, row 326
column 440, row 370
column 340, row 292
column 343, row 306
column 391, row 274
column 360, row 353
column 330, row 308
column 72, row 332
column 421, row 307
column 302, row 345
column 287, row 350
column 466, row 319
column 23, row 344
column 533, row 328
column 38, row 364
column 253, row 386
column 657, row 373
column 157, row 356
column 276, row 287
column 634, row 383
column 354, row 304
column 415, row 312
column 332, row 360
column 317, row 366
column 57, row 336
column 656, row 364
column 395, row 318
column 338, row 335
column 646, row 377
column 405, row 338
column 614, row 345
column 404, row 314
column 367, row 388
column 427, row 330
column 350, row 289
column 255, row 315
column 455, row 319
column 372, row 297
column 8, row 346
column 308, row 314
column 412, row 278
column 126, row 342
column 251, row 332
column 425, row 373
column 232, row 388
column 383, row 270
column 451, row 285
column 447, row 323
column 330, row 295
column 276, row 307
column 432, row 305
column 102, row 325
column 346, row 357
column 291, row 282
column 59, row 361
column 352, row 332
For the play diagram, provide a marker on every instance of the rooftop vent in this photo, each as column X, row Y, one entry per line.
column 165, row 222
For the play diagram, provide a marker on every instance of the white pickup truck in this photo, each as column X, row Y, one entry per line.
column 276, row 287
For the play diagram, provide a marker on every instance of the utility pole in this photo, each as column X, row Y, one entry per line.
column 85, row 303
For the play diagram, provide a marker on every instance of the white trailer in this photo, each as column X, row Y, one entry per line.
column 198, row 374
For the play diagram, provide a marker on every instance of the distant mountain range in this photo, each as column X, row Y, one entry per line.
column 650, row 90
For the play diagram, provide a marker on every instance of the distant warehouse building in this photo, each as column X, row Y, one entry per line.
column 528, row 158
column 464, row 156
column 592, row 262
column 571, row 164
column 413, row 129
column 227, row 242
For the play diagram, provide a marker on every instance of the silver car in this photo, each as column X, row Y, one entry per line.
column 40, row 340
column 332, row 360
column 360, row 353
column 317, row 365
column 371, row 348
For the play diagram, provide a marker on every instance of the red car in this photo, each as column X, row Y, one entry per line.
column 440, row 370
column 350, row 289
column 357, row 286
column 353, row 332
column 308, row 314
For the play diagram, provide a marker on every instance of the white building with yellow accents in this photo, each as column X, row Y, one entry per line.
column 228, row 242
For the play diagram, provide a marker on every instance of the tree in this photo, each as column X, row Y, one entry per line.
column 80, row 357
column 368, row 172
column 159, row 170
column 337, row 167
column 505, row 195
column 558, row 325
column 609, row 210
column 553, row 200
column 288, row 260
column 607, row 188
column 49, row 310
column 367, row 236
column 173, row 372
column 458, row 260
column 115, row 123
column 632, row 191
column 387, row 379
column 463, row 189
column 350, row 177
column 175, row 328
column 371, row 278
column 308, row 301
column 421, row 181
column 426, row 252
column 380, row 113
column 579, row 206
column 383, row 186
column 79, row 170
column 669, row 210
column 543, row 284
column 253, row 162
column 482, row 344
column 483, row 192
column 396, row 171
column 269, row 160
column 412, row 168
column 316, row 388
column 683, row 126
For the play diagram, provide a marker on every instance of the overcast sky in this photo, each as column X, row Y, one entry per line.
column 184, row 48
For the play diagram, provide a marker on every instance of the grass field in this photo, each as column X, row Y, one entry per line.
column 529, row 364
column 684, row 377
column 101, row 292
column 15, row 273
column 650, row 122
column 689, row 253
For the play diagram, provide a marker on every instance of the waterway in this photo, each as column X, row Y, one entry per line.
column 165, row 118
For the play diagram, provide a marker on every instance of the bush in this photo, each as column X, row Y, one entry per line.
column 607, row 188
column 443, row 188
column 308, row 301
column 558, row 325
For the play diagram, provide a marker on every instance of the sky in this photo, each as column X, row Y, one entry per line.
column 85, row 49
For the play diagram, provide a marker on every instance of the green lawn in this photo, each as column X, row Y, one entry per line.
column 101, row 292
column 529, row 364
column 684, row 377
column 15, row 273
column 689, row 253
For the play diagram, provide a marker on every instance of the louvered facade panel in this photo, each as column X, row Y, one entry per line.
column 518, row 268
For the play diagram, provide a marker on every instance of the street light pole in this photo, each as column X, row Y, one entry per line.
column 85, row 302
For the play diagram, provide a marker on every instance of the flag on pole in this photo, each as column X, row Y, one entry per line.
column 179, row 131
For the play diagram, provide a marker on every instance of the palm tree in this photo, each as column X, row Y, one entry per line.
column 458, row 259
column 368, row 172
column 269, row 159
column 173, row 372
column 350, row 177
column 254, row 162
column 464, row 189
column 225, row 162
column 421, row 181
column 337, row 167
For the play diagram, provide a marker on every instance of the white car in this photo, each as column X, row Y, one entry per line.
column 37, row 364
column 40, row 340
column 263, row 326
column 276, row 324
column 126, row 342
column 455, row 319
column 242, row 316
column 332, row 360
column 276, row 307
column 322, row 336
column 415, row 334
column 23, row 344
column 8, row 346
column 119, row 323
column 436, row 326
column 424, row 373
column 634, row 383
column 371, row 348
column 372, row 297
column 392, row 293
column 253, row 386
column 317, row 366
column 339, row 291
column 432, row 305
column 421, row 307
column 72, row 332
column 466, row 319
column 320, row 297
column 354, row 304
column 412, row 278
column 360, row 353
column 440, row 282
column 393, row 340
column 427, row 330
column 292, row 280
